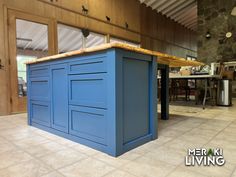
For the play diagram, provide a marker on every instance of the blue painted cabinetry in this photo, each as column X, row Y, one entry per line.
column 104, row 99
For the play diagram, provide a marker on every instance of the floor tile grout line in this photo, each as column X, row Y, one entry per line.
column 234, row 171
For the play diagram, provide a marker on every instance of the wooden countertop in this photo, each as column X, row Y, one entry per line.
column 172, row 61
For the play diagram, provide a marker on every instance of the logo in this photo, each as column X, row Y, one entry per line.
column 204, row 157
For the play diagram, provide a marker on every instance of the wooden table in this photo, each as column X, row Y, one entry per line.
column 165, row 87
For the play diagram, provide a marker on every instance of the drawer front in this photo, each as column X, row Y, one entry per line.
column 39, row 71
column 39, row 89
column 88, row 90
column 88, row 123
column 88, row 66
column 40, row 112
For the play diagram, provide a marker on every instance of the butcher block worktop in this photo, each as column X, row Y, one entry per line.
column 162, row 58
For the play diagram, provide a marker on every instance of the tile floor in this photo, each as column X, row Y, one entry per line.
column 29, row 152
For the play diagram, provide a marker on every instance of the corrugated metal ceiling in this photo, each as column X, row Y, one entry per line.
column 181, row 11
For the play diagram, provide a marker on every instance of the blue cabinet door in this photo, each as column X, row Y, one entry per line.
column 59, row 97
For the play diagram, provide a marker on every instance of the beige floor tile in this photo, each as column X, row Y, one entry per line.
column 226, row 136
column 182, row 145
column 230, row 155
column 202, row 132
column 7, row 125
column 19, row 135
column 145, row 148
column 234, row 173
column 44, row 149
column 13, row 157
column 182, row 172
column 167, row 154
column 31, row 168
column 84, row 149
column 53, row 174
column 148, row 167
column 6, row 146
column 161, row 140
column 119, row 173
column 31, row 141
column 222, row 143
column 117, row 161
column 3, row 141
column 87, row 168
column 62, row 158
column 65, row 142
column 168, row 132
column 195, row 139
column 213, row 171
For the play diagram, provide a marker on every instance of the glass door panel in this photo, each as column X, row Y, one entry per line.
column 31, row 43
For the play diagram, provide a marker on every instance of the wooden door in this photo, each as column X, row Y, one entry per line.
column 18, row 83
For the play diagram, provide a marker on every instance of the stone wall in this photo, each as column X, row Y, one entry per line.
column 214, row 16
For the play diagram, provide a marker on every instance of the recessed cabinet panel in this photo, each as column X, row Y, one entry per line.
column 88, row 90
column 40, row 112
column 89, row 123
column 39, row 71
column 136, row 99
column 40, row 88
column 60, row 97
column 88, row 66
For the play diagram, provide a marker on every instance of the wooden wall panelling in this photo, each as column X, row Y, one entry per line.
column 187, row 38
column 13, row 67
column 169, row 49
column 160, row 26
column 193, row 41
column 4, row 85
column 146, row 42
column 159, row 46
column 100, row 10
column 132, row 14
column 179, row 35
column 152, row 23
column 118, row 12
column 76, row 6
column 169, row 31
column 143, row 16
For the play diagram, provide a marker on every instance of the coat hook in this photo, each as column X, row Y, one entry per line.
column 1, row 66
column 126, row 25
column 108, row 18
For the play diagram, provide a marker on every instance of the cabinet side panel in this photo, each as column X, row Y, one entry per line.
column 136, row 99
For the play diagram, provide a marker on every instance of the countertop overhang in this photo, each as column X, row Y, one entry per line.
column 162, row 58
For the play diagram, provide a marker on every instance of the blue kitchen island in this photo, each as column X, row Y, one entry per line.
column 103, row 97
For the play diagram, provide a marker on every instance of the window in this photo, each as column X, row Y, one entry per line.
column 71, row 38
column 94, row 39
column 113, row 40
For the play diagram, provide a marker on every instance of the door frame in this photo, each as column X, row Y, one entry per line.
column 19, row 104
